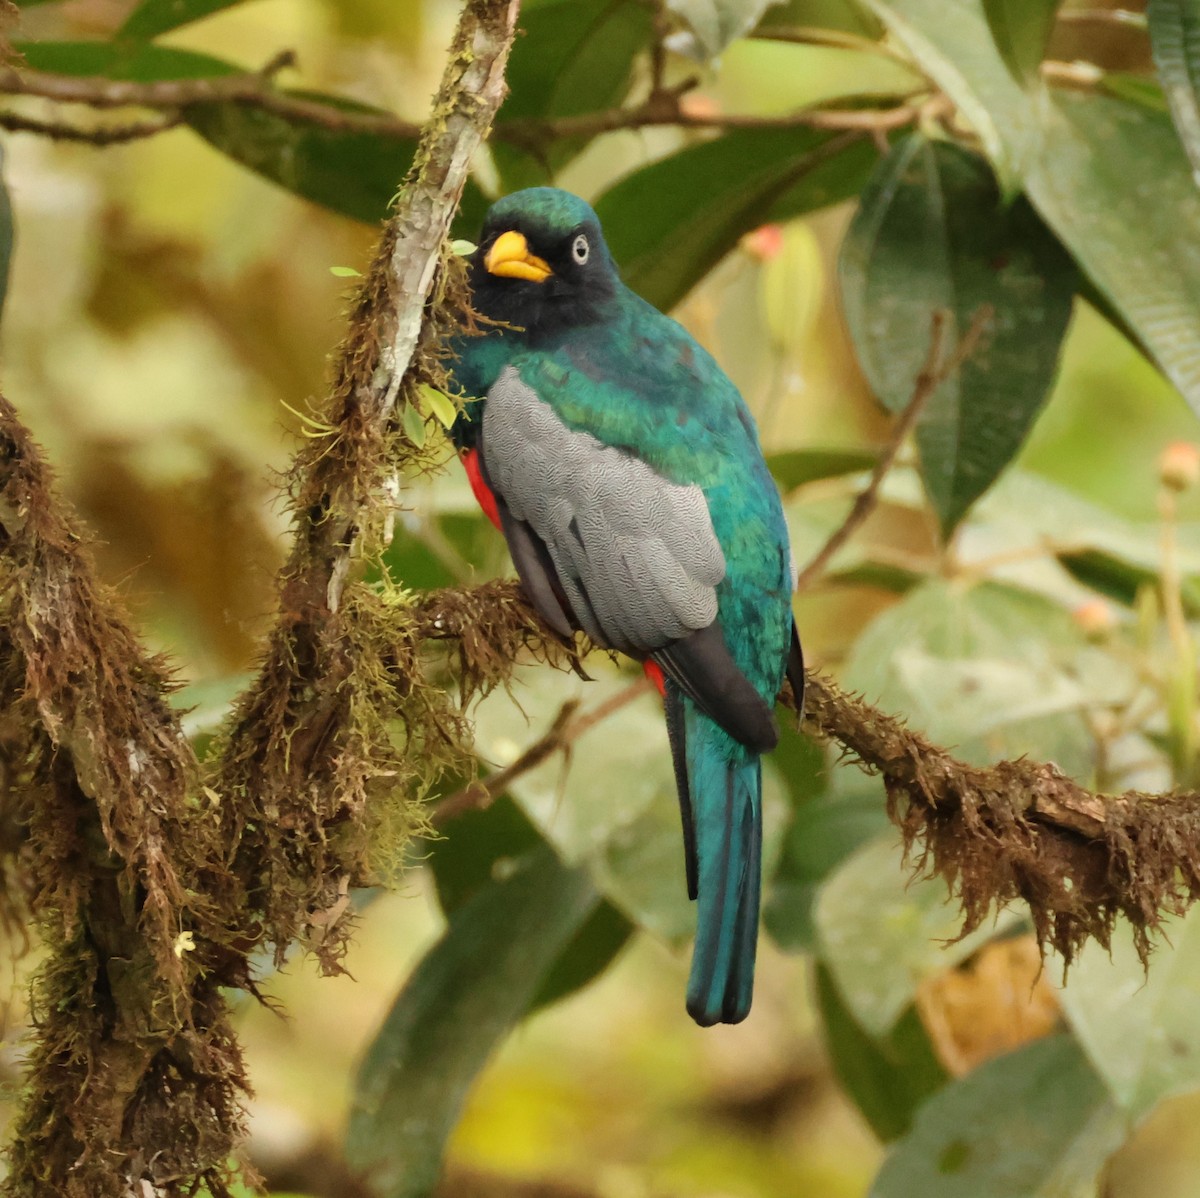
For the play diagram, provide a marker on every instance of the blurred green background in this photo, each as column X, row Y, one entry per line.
column 169, row 313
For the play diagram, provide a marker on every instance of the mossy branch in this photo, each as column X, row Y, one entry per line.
column 1018, row 829
column 149, row 881
column 131, row 1079
column 331, row 722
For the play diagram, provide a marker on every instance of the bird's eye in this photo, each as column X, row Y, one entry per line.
column 580, row 249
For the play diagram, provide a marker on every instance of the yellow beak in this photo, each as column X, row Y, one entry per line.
column 510, row 258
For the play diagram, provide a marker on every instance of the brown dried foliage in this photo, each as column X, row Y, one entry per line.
column 99, row 779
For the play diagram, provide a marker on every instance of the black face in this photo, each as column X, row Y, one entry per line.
column 541, row 279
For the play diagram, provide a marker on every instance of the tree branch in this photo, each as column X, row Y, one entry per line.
column 97, row 135
column 1018, row 829
column 933, row 374
column 314, row 741
column 256, row 90
column 563, row 732
column 116, row 853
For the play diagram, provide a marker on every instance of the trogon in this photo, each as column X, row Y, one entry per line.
column 625, row 472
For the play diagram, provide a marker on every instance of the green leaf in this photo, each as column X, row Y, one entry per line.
column 482, row 848
column 796, row 467
column 1139, row 1027
column 572, row 57
column 353, row 172
column 153, row 17
column 589, row 953
column 990, row 669
column 465, row 996
column 345, row 272
column 1073, row 153
column 1175, row 42
column 349, row 171
column 414, row 425
column 1021, row 30
column 932, row 234
column 887, row 1077
column 124, row 60
column 439, row 404
column 1084, row 188
column 953, row 45
column 669, row 223
column 824, row 830
column 713, row 24
column 1138, row 89
column 1036, row 1123
column 881, row 934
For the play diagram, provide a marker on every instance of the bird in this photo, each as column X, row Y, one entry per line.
column 625, row 472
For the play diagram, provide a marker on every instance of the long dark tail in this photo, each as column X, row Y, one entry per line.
column 721, row 800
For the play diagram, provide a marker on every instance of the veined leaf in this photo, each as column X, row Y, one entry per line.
column 1071, row 151
column 1175, row 41
column 933, row 234
column 153, row 17
column 990, row 669
column 1083, row 187
column 1036, row 1123
column 881, row 934
column 464, row 997
column 669, row 223
column 1139, row 1027
column 349, row 171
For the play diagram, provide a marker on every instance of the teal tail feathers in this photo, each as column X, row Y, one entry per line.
column 721, row 798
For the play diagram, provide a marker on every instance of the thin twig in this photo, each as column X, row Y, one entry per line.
column 932, row 375
column 98, row 135
column 255, row 90
column 663, row 108
column 563, row 732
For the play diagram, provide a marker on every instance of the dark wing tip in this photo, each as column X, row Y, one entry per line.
column 705, row 671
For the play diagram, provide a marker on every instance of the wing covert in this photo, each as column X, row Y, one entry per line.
column 636, row 555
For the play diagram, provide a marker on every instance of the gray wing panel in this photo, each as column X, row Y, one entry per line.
column 635, row 554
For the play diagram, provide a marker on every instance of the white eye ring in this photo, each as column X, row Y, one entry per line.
column 580, row 249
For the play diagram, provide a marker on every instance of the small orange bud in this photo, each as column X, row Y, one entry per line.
column 698, row 105
column 1095, row 618
column 764, row 243
column 1179, row 465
